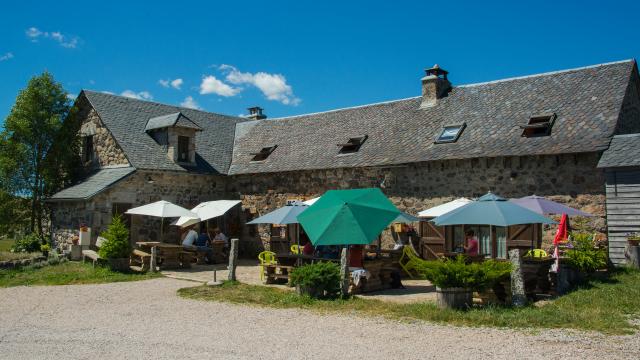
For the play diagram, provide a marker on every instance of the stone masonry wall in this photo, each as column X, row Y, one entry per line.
column 570, row 179
column 105, row 149
column 629, row 122
column 140, row 188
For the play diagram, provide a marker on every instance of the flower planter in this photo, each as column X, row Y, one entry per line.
column 119, row 264
column 307, row 290
column 454, row 298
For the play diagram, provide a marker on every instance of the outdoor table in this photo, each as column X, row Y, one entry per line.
column 169, row 254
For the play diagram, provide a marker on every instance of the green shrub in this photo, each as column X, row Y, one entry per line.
column 29, row 243
column 45, row 247
column 585, row 256
column 322, row 277
column 456, row 273
column 117, row 240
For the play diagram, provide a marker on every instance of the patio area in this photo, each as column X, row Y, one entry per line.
column 248, row 272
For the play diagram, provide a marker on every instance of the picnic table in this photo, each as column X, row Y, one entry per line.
column 170, row 256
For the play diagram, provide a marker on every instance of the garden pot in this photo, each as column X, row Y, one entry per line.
column 454, row 298
column 119, row 264
column 306, row 290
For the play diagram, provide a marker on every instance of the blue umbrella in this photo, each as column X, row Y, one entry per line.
column 491, row 210
column 282, row 216
column 547, row 207
column 406, row 218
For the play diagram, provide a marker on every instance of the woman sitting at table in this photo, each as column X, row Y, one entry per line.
column 470, row 243
column 190, row 238
column 356, row 255
column 308, row 249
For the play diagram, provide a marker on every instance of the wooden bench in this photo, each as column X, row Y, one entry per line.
column 140, row 260
column 93, row 254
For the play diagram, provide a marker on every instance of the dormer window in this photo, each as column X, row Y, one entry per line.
column 176, row 133
column 539, row 125
column 264, row 153
column 352, row 145
column 183, row 148
column 450, row 133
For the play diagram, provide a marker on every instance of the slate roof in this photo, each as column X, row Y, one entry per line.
column 623, row 151
column 94, row 184
column 587, row 102
column 127, row 118
column 175, row 119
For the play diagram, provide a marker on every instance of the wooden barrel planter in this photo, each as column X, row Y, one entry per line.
column 454, row 298
column 308, row 290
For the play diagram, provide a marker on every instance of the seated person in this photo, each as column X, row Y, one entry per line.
column 203, row 239
column 218, row 235
column 471, row 244
column 308, row 249
column 190, row 238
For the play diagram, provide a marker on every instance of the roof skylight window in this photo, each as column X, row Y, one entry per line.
column 450, row 133
column 264, row 153
column 539, row 125
column 353, row 145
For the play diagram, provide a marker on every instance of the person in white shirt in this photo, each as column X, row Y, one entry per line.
column 190, row 238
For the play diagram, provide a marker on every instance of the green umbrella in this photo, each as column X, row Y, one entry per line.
column 348, row 217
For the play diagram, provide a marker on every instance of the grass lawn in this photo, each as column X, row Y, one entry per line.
column 603, row 306
column 6, row 254
column 67, row 273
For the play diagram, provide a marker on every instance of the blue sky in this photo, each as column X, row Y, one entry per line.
column 299, row 56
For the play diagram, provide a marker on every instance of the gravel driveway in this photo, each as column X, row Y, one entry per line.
column 148, row 320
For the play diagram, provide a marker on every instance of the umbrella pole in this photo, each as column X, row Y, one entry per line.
column 298, row 241
column 161, row 228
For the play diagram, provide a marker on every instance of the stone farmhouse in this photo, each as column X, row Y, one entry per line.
column 543, row 134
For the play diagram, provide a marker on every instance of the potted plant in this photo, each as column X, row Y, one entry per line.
column 633, row 239
column 583, row 258
column 45, row 248
column 319, row 280
column 455, row 280
column 116, row 248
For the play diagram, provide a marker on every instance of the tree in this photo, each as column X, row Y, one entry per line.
column 38, row 145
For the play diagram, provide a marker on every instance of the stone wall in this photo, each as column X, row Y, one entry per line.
column 570, row 179
column 105, row 149
column 140, row 188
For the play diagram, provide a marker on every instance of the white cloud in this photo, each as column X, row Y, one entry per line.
column 211, row 85
column 190, row 103
column 70, row 42
column 71, row 97
column 273, row 86
column 142, row 95
column 175, row 83
column 6, row 56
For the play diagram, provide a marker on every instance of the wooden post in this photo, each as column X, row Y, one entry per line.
column 154, row 259
column 344, row 271
column 233, row 257
column 518, row 296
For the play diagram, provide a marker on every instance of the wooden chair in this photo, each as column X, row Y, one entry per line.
column 409, row 260
column 266, row 258
column 93, row 254
column 536, row 253
column 296, row 249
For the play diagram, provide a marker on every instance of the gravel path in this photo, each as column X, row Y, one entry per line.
column 148, row 320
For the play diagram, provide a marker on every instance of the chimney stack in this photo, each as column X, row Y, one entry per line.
column 435, row 85
column 255, row 113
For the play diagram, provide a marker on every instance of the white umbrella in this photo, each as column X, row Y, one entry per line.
column 310, row 201
column 444, row 208
column 205, row 211
column 162, row 209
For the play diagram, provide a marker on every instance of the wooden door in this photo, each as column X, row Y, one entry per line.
column 433, row 240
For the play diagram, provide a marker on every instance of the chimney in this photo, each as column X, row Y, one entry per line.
column 255, row 113
column 434, row 86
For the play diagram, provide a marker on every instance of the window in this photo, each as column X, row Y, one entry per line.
column 450, row 133
column 539, row 125
column 183, row 148
column 264, row 153
column 87, row 148
column 353, row 145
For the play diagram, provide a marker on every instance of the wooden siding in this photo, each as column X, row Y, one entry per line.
column 623, row 209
